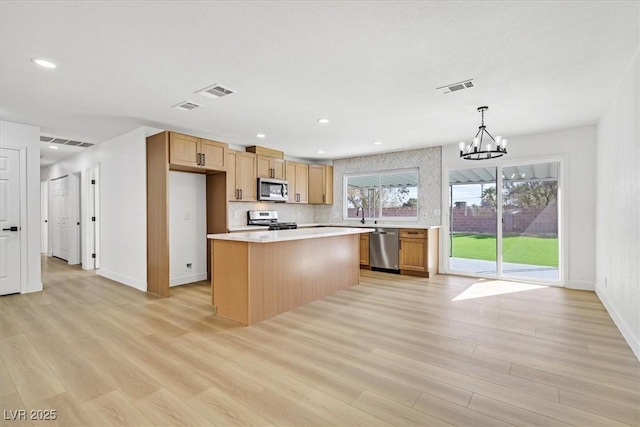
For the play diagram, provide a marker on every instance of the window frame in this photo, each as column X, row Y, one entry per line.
column 345, row 210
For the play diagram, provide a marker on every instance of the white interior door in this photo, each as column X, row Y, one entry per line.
column 60, row 213
column 10, row 247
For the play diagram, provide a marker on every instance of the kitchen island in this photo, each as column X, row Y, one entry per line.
column 258, row 275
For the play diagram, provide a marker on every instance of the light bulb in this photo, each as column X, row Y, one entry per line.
column 476, row 141
column 488, row 147
column 504, row 143
column 469, row 148
column 462, row 145
column 498, row 139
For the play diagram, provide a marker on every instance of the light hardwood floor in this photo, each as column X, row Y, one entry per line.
column 395, row 350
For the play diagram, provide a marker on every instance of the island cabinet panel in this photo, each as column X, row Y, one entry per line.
column 231, row 296
column 272, row 278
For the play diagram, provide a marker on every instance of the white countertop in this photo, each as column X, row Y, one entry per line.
column 286, row 235
column 354, row 224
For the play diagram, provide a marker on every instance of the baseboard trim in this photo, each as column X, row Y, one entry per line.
column 633, row 341
column 125, row 280
column 580, row 285
column 190, row 278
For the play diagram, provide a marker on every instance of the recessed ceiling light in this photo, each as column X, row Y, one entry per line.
column 323, row 121
column 320, row 152
column 377, row 143
column 53, row 147
column 43, row 63
column 261, row 135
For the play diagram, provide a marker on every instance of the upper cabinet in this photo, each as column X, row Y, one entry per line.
column 196, row 153
column 321, row 184
column 241, row 176
column 269, row 162
column 270, row 167
column 297, row 174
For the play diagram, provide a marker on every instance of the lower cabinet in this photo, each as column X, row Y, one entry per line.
column 364, row 250
column 419, row 252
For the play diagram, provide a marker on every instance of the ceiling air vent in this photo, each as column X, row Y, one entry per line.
column 215, row 91
column 186, row 106
column 454, row 87
column 62, row 141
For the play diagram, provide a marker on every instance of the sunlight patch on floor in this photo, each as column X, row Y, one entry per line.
column 488, row 288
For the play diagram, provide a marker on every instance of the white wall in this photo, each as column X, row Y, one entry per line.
column 187, row 227
column 576, row 149
column 27, row 138
column 618, row 209
column 123, row 204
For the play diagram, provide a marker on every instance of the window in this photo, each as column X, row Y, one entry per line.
column 390, row 194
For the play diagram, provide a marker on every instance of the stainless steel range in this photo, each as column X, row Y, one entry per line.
column 269, row 219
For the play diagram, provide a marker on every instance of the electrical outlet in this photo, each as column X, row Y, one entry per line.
column 188, row 266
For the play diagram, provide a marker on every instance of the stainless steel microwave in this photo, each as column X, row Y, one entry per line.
column 274, row 190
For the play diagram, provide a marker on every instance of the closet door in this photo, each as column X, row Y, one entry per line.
column 60, row 217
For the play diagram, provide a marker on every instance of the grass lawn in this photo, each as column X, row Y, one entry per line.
column 516, row 249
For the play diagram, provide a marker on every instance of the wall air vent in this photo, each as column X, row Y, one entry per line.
column 454, row 87
column 215, row 91
column 186, row 106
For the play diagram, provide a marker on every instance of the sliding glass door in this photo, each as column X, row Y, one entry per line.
column 530, row 248
column 473, row 224
column 510, row 233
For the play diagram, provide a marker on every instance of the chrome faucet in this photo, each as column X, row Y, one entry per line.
column 360, row 208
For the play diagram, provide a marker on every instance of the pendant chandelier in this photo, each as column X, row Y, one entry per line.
column 483, row 148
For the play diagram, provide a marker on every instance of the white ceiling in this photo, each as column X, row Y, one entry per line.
column 371, row 68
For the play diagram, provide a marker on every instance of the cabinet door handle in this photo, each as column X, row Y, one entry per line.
column 240, row 190
column 412, row 232
column 204, row 161
column 399, row 244
column 236, row 194
column 323, row 198
column 198, row 158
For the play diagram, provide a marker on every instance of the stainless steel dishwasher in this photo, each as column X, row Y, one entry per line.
column 383, row 248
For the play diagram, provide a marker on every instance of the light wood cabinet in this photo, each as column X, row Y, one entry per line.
column 270, row 167
column 168, row 151
column 364, row 250
column 321, row 184
column 241, row 176
column 189, row 152
column 297, row 175
column 419, row 252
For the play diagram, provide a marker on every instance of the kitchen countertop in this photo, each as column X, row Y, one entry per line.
column 353, row 224
column 286, row 235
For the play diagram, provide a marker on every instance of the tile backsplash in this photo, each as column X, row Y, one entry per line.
column 302, row 214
